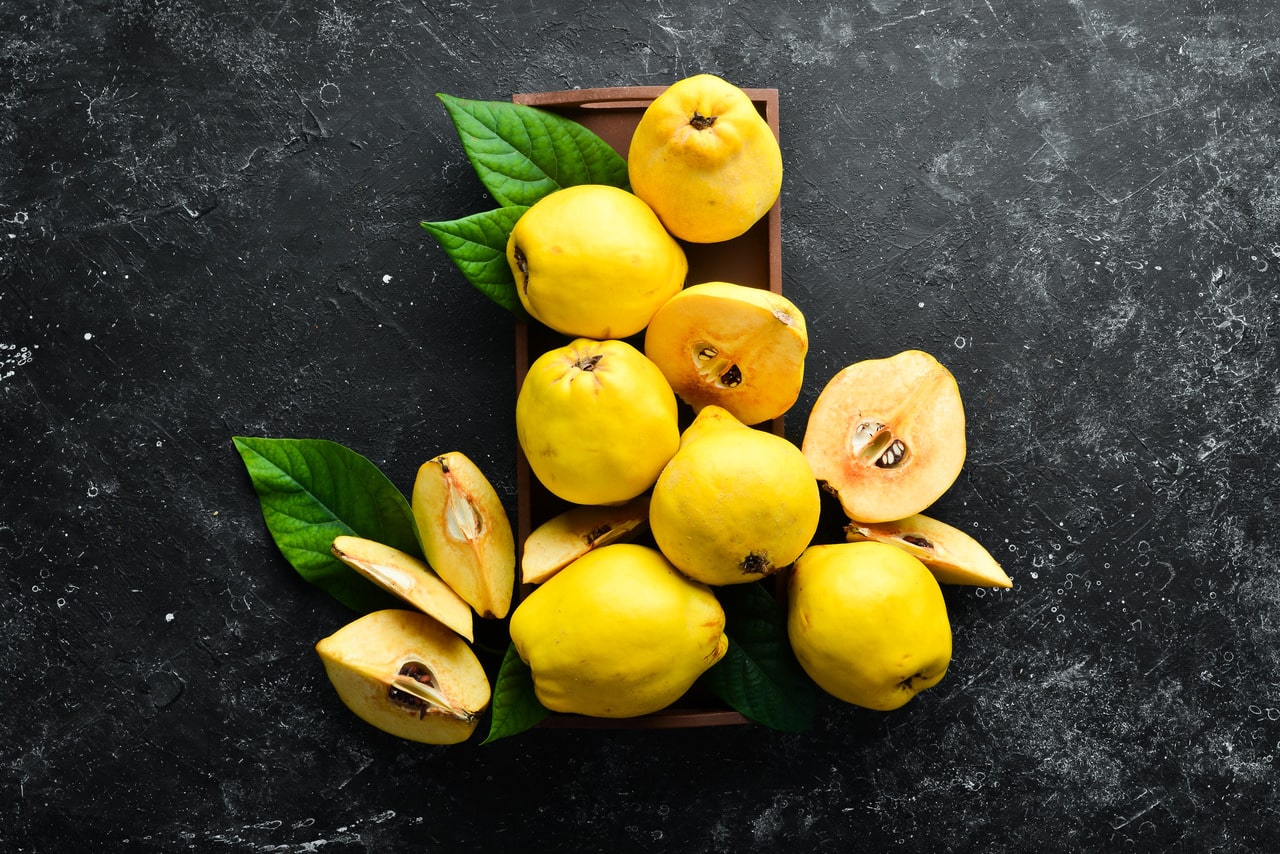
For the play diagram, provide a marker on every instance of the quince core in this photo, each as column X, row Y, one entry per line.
column 887, row 436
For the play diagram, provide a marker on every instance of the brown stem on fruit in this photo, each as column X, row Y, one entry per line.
column 756, row 564
column 522, row 262
column 701, row 122
column 588, row 363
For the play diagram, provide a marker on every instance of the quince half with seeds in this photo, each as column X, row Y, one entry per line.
column 950, row 554
column 408, row 675
column 406, row 576
column 887, row 436
column 738, row 347
column 569, row 535
column 466, row 535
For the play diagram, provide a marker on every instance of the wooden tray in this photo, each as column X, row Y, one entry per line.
column 753, row 259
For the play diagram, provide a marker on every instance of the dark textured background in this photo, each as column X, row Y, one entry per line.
column 208, row 227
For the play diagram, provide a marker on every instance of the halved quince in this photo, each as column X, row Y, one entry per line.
column 733, row 346
column 466, row 535
column 887, row 436
column 408, row 675
column 564, row 538
column 406, row 576
column 950, row 554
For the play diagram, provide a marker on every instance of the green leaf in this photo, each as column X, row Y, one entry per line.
column 759, row 676
column 515, row 706
column 313, row 490
column 477, row 244
column 521, row 153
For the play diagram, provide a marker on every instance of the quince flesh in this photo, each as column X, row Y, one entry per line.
column 734, row 346
column 409, row 578
column 466, row 535
column 705, row 160
column 735, row 504
column 596, row 421
column 617, row 633
column 594, row 261
column 569, row 535
column 887, row 436
column 949, row 553
column 868, row 623
column 408, row 675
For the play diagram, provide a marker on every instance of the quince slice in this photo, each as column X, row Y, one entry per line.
column 949, row 553
column 466, row 535
column 564, row 538
column 408, row 675
column 887, row 436
column 733, row 346
column 406, row 576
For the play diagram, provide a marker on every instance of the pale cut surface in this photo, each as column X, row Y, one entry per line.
column 732, row 346
column 466, row 535
column 406, row 576
column 564, row 538
column 408, row 675
column 949, row 553
column 887, row 436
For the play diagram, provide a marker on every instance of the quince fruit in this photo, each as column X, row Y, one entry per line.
column 949, row 553
column 887, row 436
column 705, row 160
column 596, row 421
column 569, row 535
column 868, row 623
column 734, row 504
column 617, row 633
column 407, row 675
column 733, row 346
column 405, row 576
column 466, row 535
column 594, row 261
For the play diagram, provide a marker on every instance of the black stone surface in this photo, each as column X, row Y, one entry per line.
column 208, row 227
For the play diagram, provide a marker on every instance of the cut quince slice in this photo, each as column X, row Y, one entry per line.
column 406, row 576
column 887, row 436
column 564, row 538
column 408, row 675
column 733, row 346
column 466, row 535
column 950, row 554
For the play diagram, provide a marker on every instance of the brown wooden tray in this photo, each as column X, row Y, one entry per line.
column 754, row 259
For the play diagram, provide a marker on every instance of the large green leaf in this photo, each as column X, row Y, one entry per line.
column 759, row 675
column 477, row 244
column 521, row 153
column 515, row 707
column 313, row 490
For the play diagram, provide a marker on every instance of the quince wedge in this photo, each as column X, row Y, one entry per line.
column 705, row 160
column 572, row 533
column 949, row 553
column 734, row 346
column 596, row 421
column 594, row 261
column 465, row 533
column 618, row 633
column 406, row 576
column 868, row 623
column 735, row 504
column 887, row 436
column 408, row 675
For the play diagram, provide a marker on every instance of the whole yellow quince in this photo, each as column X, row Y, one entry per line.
column 617, row 633
column 597, row 421
column 705, row 160
column 735, row 503
column 594, row 261
column 868, row 623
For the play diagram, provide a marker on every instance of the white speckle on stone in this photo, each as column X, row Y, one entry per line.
column 168, row 618
column 88, row 336
column 386, row 279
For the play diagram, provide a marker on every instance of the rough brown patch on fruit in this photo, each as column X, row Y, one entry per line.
column 701, row 122
column 756, row 564
column 522, row 262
